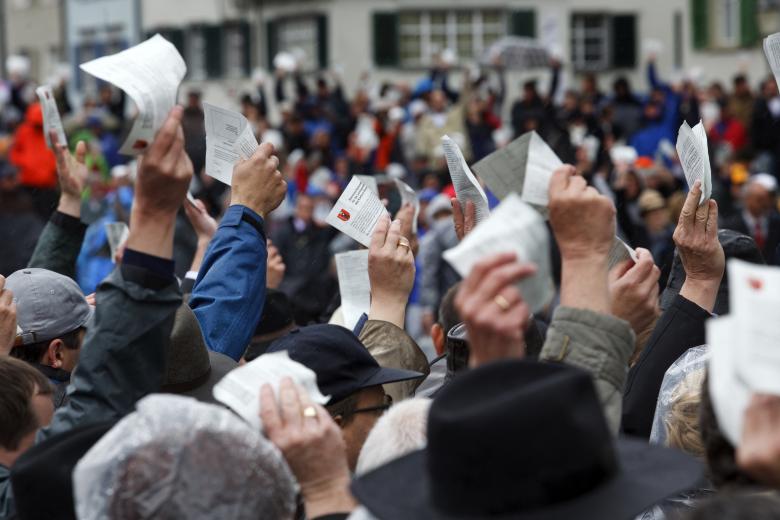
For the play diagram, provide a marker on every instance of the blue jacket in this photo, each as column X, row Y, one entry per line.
column 229, row 293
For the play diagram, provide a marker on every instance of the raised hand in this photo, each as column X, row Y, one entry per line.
column 633, row 289
column 71, row 174
column 391, row 272
column 204, row 224
column 257, row 183
column 275, row 268
column 406, row 216
column 465, row 220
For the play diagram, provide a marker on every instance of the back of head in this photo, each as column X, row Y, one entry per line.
column 175, row 457
column 741, row 506
column 400, row 431
column 20, row 382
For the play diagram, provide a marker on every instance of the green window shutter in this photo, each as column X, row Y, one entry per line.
column 523, row 23
column 749, row 33
column 700, row 21
column 272, row 43
column 624, row 41
column 214, row 51
column 322, row 41
column 386, row 39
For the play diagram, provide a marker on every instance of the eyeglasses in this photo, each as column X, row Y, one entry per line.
column 388, row 402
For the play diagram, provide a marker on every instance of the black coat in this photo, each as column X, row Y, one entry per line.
column 771, row 241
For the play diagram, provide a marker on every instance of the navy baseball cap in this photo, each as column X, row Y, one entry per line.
column 342, row 363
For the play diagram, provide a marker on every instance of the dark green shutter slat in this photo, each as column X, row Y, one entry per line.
column 214, row 53
column 176, row 37
column 322, row 41
column 624, row 41
column 386, row 39
column 271, row 42
column 700, row 24
column 523, row 23
column 246, row 34
column 748, row 23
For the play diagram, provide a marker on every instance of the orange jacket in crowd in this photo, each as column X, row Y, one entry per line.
column 36, row 163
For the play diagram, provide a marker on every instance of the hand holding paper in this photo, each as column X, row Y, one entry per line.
column 694, row 157
column 409, row 196
column 51, row 116
column 257, row 184
column 117, row 233
column 391, row 271
column 71, row 174
column 150, row 73
column 357, row 212
column 229, row 138
column 467, row 186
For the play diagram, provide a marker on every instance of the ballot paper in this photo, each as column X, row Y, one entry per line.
column 117, row 233
column 772, row 51
column 513, row 226
column 370, row 181
column 239, row 390
column 525, row 166
column 229, row 138
column 694, row 157
column 354, row 285
column 754, row 302
column 466, row 185
column 191, row 199
column 356, row 212
column 51, row 116
column 150, row 73
column 728, row 390
column 620, row 252
column 409, row 196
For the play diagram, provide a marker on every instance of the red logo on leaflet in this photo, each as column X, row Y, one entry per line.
column 343, row 215
column 756, row 284
column 140, row 144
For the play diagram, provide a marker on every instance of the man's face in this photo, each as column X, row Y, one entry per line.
column 304, row 208
column 758, row 200
column 355, row 429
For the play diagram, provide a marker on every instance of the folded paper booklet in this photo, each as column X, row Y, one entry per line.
column 229, row 138
column 370, row 181
column 357, row 212
column 354, row 285
column 150, row 73
column 729, row 391
column 525, row 166
column 409, row 196
column 620, row 252
column 239, row 390
column 513, row 226
column 772, row 51
column 117, row 233
column 694, row 157
column 51, row 116
column 467, row 186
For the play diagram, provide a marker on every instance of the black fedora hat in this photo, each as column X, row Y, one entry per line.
column 522, row 439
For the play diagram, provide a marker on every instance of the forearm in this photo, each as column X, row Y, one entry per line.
column 702, row 293
column 58, row 246
column 151, row 234
column 389, row 310
column 332, row 499
column 584, row 284
column 200, row 253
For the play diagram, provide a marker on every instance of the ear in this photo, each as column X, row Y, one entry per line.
column 338, row 420
column 439, row 339
column 53, row 356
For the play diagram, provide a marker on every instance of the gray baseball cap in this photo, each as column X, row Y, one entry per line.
column 48, row 305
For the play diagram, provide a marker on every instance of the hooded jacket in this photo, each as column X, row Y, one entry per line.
column 29, row 153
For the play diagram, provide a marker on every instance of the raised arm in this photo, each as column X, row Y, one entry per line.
column 228, row 295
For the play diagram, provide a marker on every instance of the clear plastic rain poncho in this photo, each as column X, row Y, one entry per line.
column 175, row 458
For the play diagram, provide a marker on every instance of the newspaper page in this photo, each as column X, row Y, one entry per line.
column 356, row 212
column 466, row 185
column 620, row 252
column 229, row 138
column 754, row 301
column 116, row 233
column 517, row 227
column 409, row 196
column 51, row 116
column 239, row 390
column 772, row 51
column 150, row 73
column 694, row 157
column 354, row 285
column 370, row 181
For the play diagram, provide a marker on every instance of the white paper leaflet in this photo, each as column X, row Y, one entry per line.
column 620, row 252
column 356, row 212
column 116, row 233
column 728, row 390
column 694, row 157
column 466, row 185
column 191, row 199
column 150, row 73
column 354, row 285
column 409, row 196
column 772, row 51
column 517, row 227
column 239, row 390
column 370, row 181
column 51, row 116
column 229, row 138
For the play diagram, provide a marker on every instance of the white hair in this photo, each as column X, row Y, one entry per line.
column 403, row 429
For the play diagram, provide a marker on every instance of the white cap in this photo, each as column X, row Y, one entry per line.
column 764, row 180
column 396, row 114
column 285, row 61
column 19, row 65
column 417, row 107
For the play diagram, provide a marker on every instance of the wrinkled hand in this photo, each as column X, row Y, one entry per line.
column 204, row 224
column 165, row 170
column 257, row 183
column 71, row 174
column 758, row 453
column 7, row 319
column 465, row 221
column 491, row 306
column 312, row 446
column 633, row 290
column 275, row 268
column 391, row 272
column 582, row 220
column 406, row 216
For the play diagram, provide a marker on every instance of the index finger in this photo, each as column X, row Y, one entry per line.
column 560, row 178
column 688, row 212
column 473, row 280
column 167, row 134
column 380, row 232
column 2, row 282
column 269, row 413
column 264, row 151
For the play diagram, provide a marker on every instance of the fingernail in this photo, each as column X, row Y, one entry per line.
column 396, row 221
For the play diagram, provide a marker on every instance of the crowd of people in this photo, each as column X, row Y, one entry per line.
column 449, row 399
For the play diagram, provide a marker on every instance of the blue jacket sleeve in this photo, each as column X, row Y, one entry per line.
column 228, row 295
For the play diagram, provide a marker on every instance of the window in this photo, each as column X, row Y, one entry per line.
column 727, row 23
column 423, row 34
column 299, row 37
column 237, row 47
column 196, row 55
column 603, row 41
